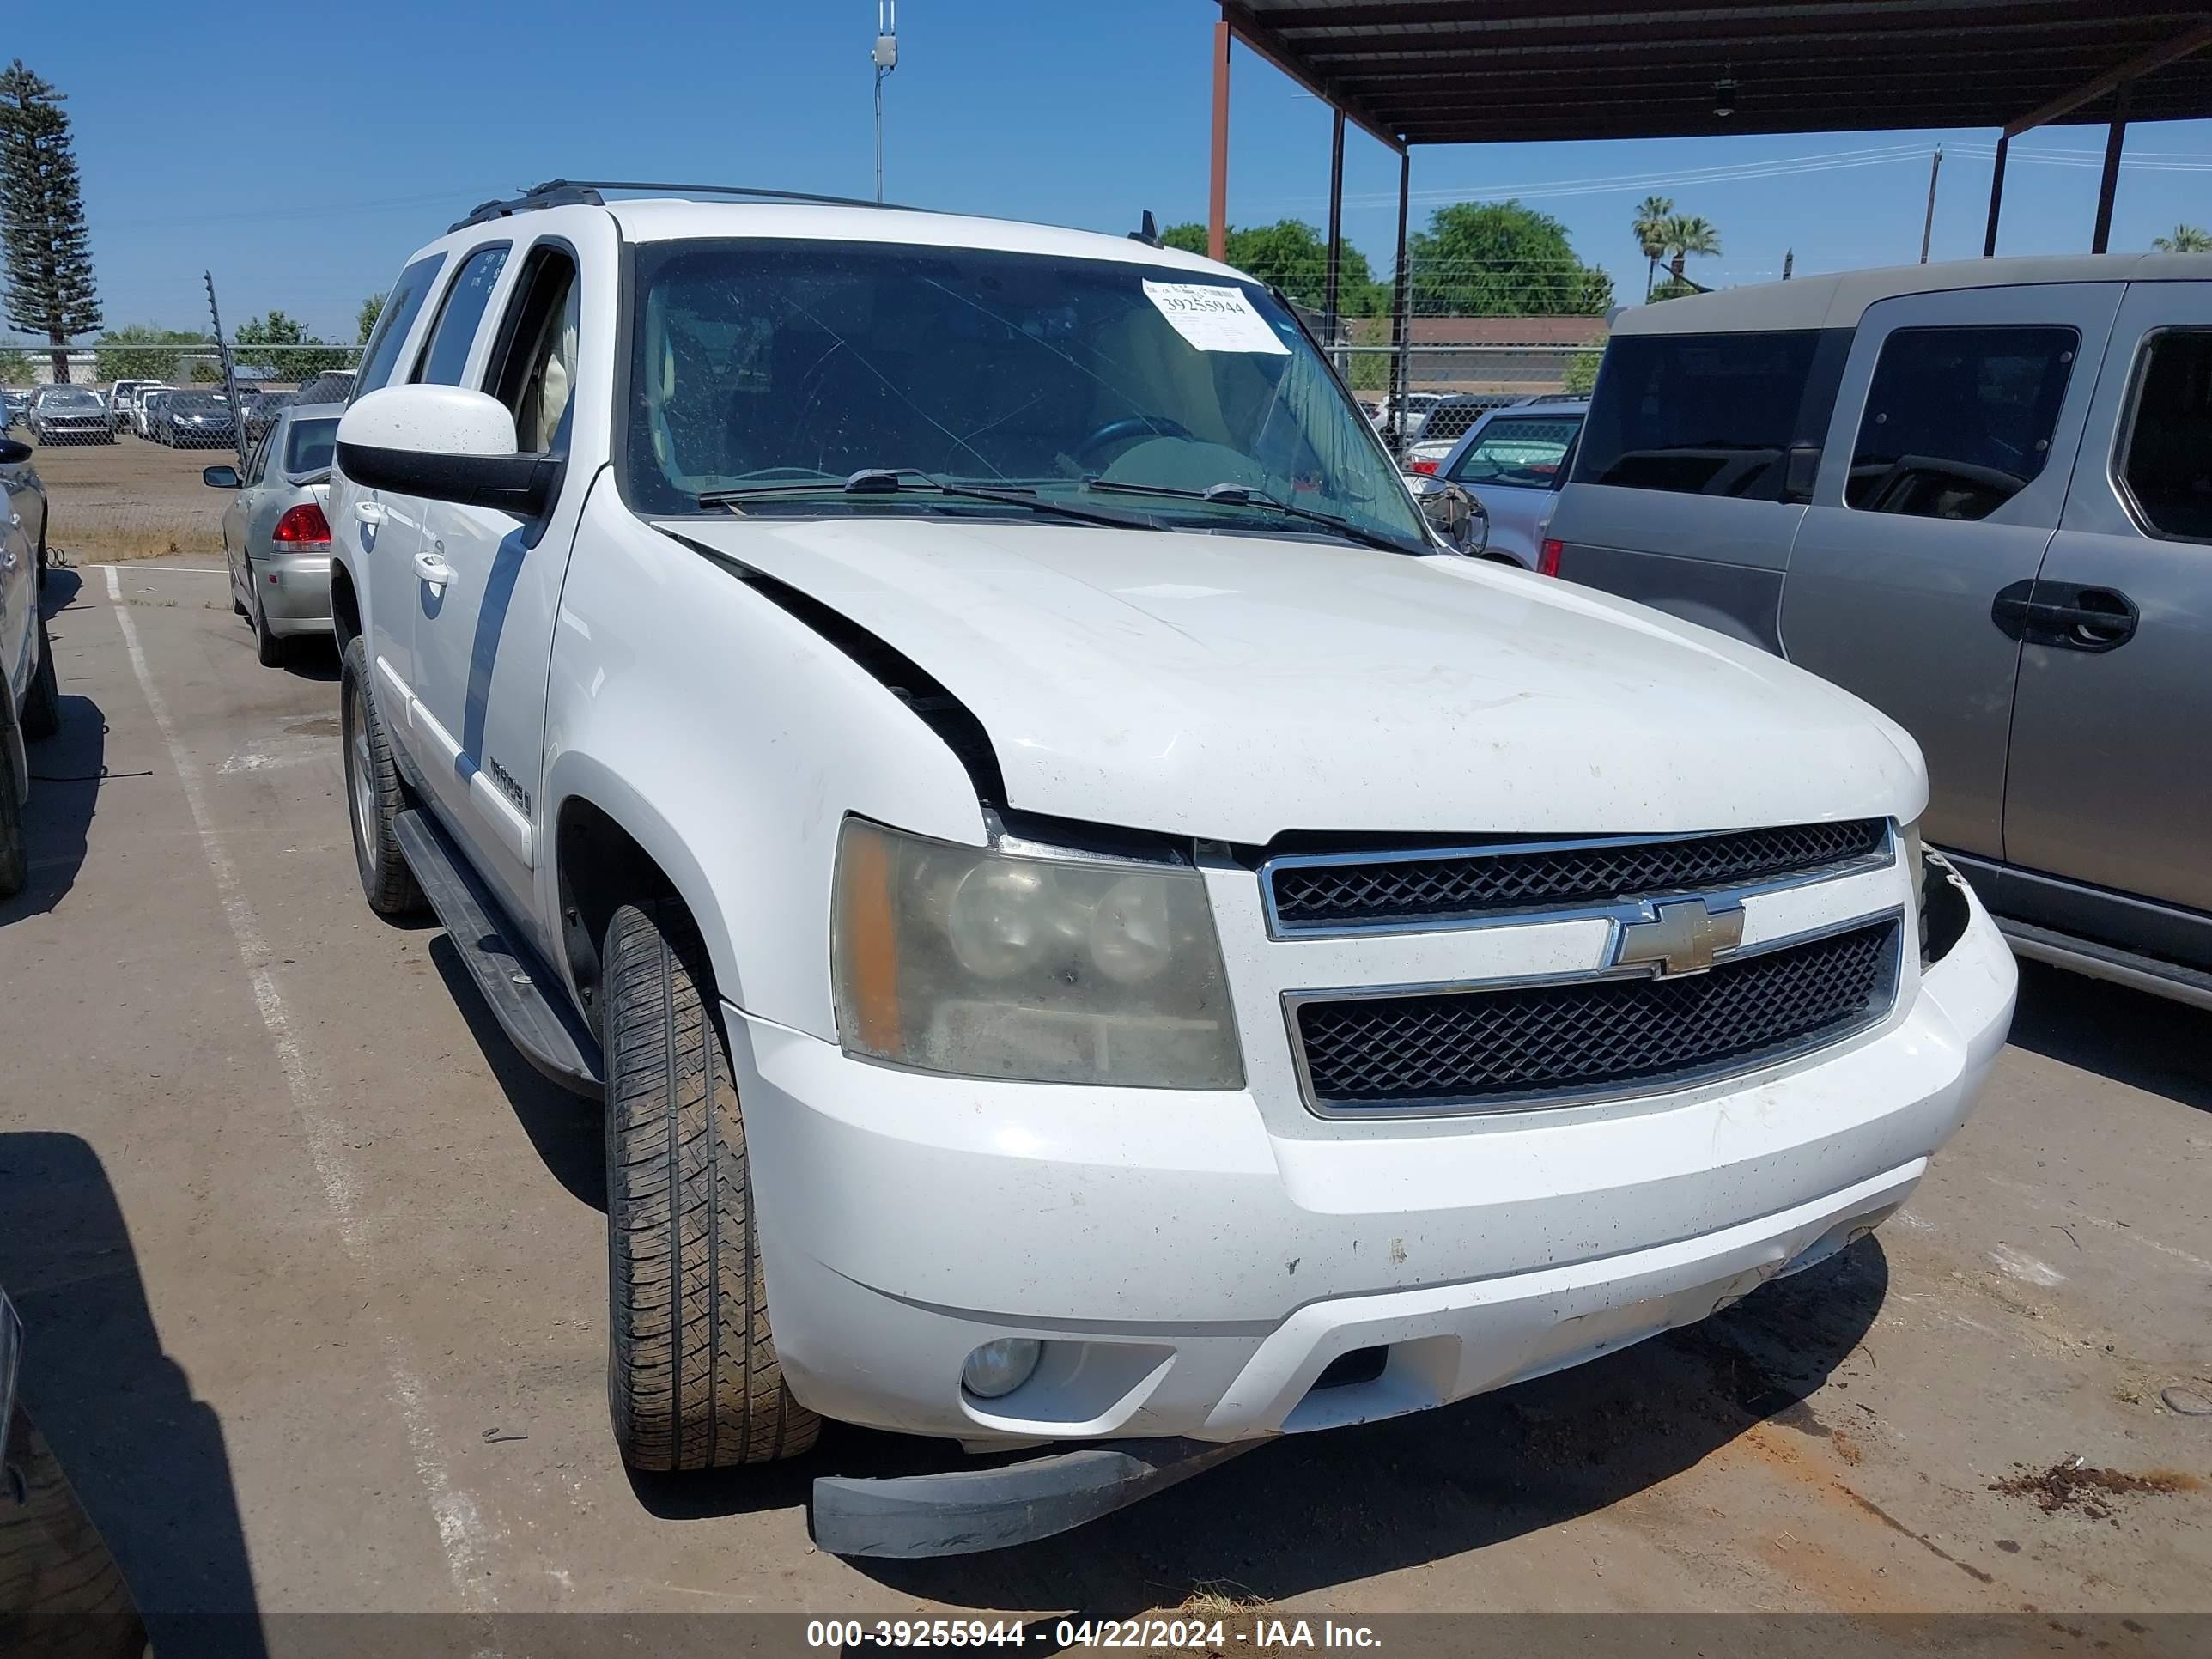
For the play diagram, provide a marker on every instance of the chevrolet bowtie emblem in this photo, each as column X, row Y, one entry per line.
column 1682, row 937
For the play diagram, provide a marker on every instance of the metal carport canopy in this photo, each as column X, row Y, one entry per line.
column 1479, row 71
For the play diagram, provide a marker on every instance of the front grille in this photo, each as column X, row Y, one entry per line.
column 1315, row 893
column 1491, row 1050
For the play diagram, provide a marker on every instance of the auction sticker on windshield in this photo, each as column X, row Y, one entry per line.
column 1213, row 318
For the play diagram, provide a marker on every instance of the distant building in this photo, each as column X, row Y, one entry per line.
column 1516, row 356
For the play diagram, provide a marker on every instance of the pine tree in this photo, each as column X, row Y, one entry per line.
column 49, row 287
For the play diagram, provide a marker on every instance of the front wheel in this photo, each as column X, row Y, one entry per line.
column 374, row 797
column 692, row 1377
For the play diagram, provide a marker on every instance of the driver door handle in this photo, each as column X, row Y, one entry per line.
column 2065, row 616
column 434, row 570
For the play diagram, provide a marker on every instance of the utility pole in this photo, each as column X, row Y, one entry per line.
column 1788, row 262
column 886, row 59
column 1928, row 225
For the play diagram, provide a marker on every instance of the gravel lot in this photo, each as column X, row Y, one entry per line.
column 132, row 499
column 313, row 1272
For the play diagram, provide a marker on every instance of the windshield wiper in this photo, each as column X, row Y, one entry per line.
column 893, row 480
column 1237, row 494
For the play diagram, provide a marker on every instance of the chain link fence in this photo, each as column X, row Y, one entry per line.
column 129, row 486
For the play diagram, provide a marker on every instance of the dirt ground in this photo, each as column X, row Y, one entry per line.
column 312, row 1269
column 132, row 499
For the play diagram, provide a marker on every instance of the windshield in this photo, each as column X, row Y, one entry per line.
column 781, row 362
column 65, row 399
column 197, row 402
column 1526, row 450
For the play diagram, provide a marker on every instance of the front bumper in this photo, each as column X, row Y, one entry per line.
column 1193, row 1268
column 295, row 591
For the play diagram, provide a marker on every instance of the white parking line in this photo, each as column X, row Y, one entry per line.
column 460, row 1527
column 165, row 569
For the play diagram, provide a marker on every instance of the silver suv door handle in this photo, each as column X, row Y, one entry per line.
column 434, row 570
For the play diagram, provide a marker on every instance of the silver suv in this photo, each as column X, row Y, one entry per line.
column 1980, row 496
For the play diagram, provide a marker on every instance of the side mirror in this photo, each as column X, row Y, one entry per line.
column 219, row 478
column 1456, row 516
column 13, row 453
column 443, row 443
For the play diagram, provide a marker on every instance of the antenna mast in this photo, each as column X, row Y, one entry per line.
column 886, row 60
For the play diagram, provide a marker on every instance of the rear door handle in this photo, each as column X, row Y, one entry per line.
column 369, row 511
column 434, row 571
column 2065, row 616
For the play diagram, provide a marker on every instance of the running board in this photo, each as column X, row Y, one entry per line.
column 508, row 972
column 2108, row 961
column 965, row 1511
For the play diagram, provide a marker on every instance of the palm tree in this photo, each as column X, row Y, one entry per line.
column 2186, row 238
column 1683, row 235
column 1649, row 228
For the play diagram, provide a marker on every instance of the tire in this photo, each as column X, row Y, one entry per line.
column 42, row 707
column 270, row 650
column 42, row 552
column 373, row 796
column 692, row 1377
column 15, row 851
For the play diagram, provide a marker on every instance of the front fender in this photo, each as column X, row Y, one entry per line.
column 730, row 741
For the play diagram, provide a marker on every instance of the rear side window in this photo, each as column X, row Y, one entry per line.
column 1958, row 420
column 1527, row 450
column 1701, row 414
column 394, row 323
column 2167, row 469
column 459, row 313
column 308, row 449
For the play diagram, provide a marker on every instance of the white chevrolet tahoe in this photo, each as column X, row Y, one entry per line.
column 1091, row 921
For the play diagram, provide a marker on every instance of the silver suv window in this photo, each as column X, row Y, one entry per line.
column 1958, row 420
column 1704, row 414
column 2168, row 465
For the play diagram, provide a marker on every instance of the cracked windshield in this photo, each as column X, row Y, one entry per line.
column 765, row 375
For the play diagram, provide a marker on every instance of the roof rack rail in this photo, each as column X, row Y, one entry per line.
column 563, row 192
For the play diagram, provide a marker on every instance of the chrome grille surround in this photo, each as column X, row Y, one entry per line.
column 1421, row 890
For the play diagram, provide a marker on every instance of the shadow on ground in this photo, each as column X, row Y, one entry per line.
column 2148, row 1042
column 148, row 1459
column 69, row 770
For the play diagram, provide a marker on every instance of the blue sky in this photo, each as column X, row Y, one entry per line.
column 300, row 151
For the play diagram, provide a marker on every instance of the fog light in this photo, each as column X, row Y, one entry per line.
column 1001, row 1367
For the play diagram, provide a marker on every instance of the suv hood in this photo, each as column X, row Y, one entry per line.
column 1229, row 687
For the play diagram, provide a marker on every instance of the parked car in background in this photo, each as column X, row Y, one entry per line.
column 1189, row 832
column 1980, row 496
column 1514, row 460
column 332, row 386
column 193, row 420
column 145, row 410
column 30, row 697
column 123, row 398
column 23, row 493
column 259, row 408
column 12, row 406
column 70, row 414
column 275, row 533
column 1448, row 421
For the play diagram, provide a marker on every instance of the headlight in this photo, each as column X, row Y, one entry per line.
column 987, row 962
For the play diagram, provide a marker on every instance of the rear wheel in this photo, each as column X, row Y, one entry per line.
column 271, row 650
column 374, row 797
column 42, row 708
column 692, row 1377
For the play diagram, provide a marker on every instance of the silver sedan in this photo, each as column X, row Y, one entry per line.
column 276, row 537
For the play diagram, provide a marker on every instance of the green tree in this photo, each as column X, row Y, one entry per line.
column 371, row 309
column 1649, row 230
column 140, row 351
column 1685, row 234
column 15, row 367
column 1294, row 256
column 1580, row 378
column 1501, row 260
column 2186, row 238
column 48, row 257
column 279, row 331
